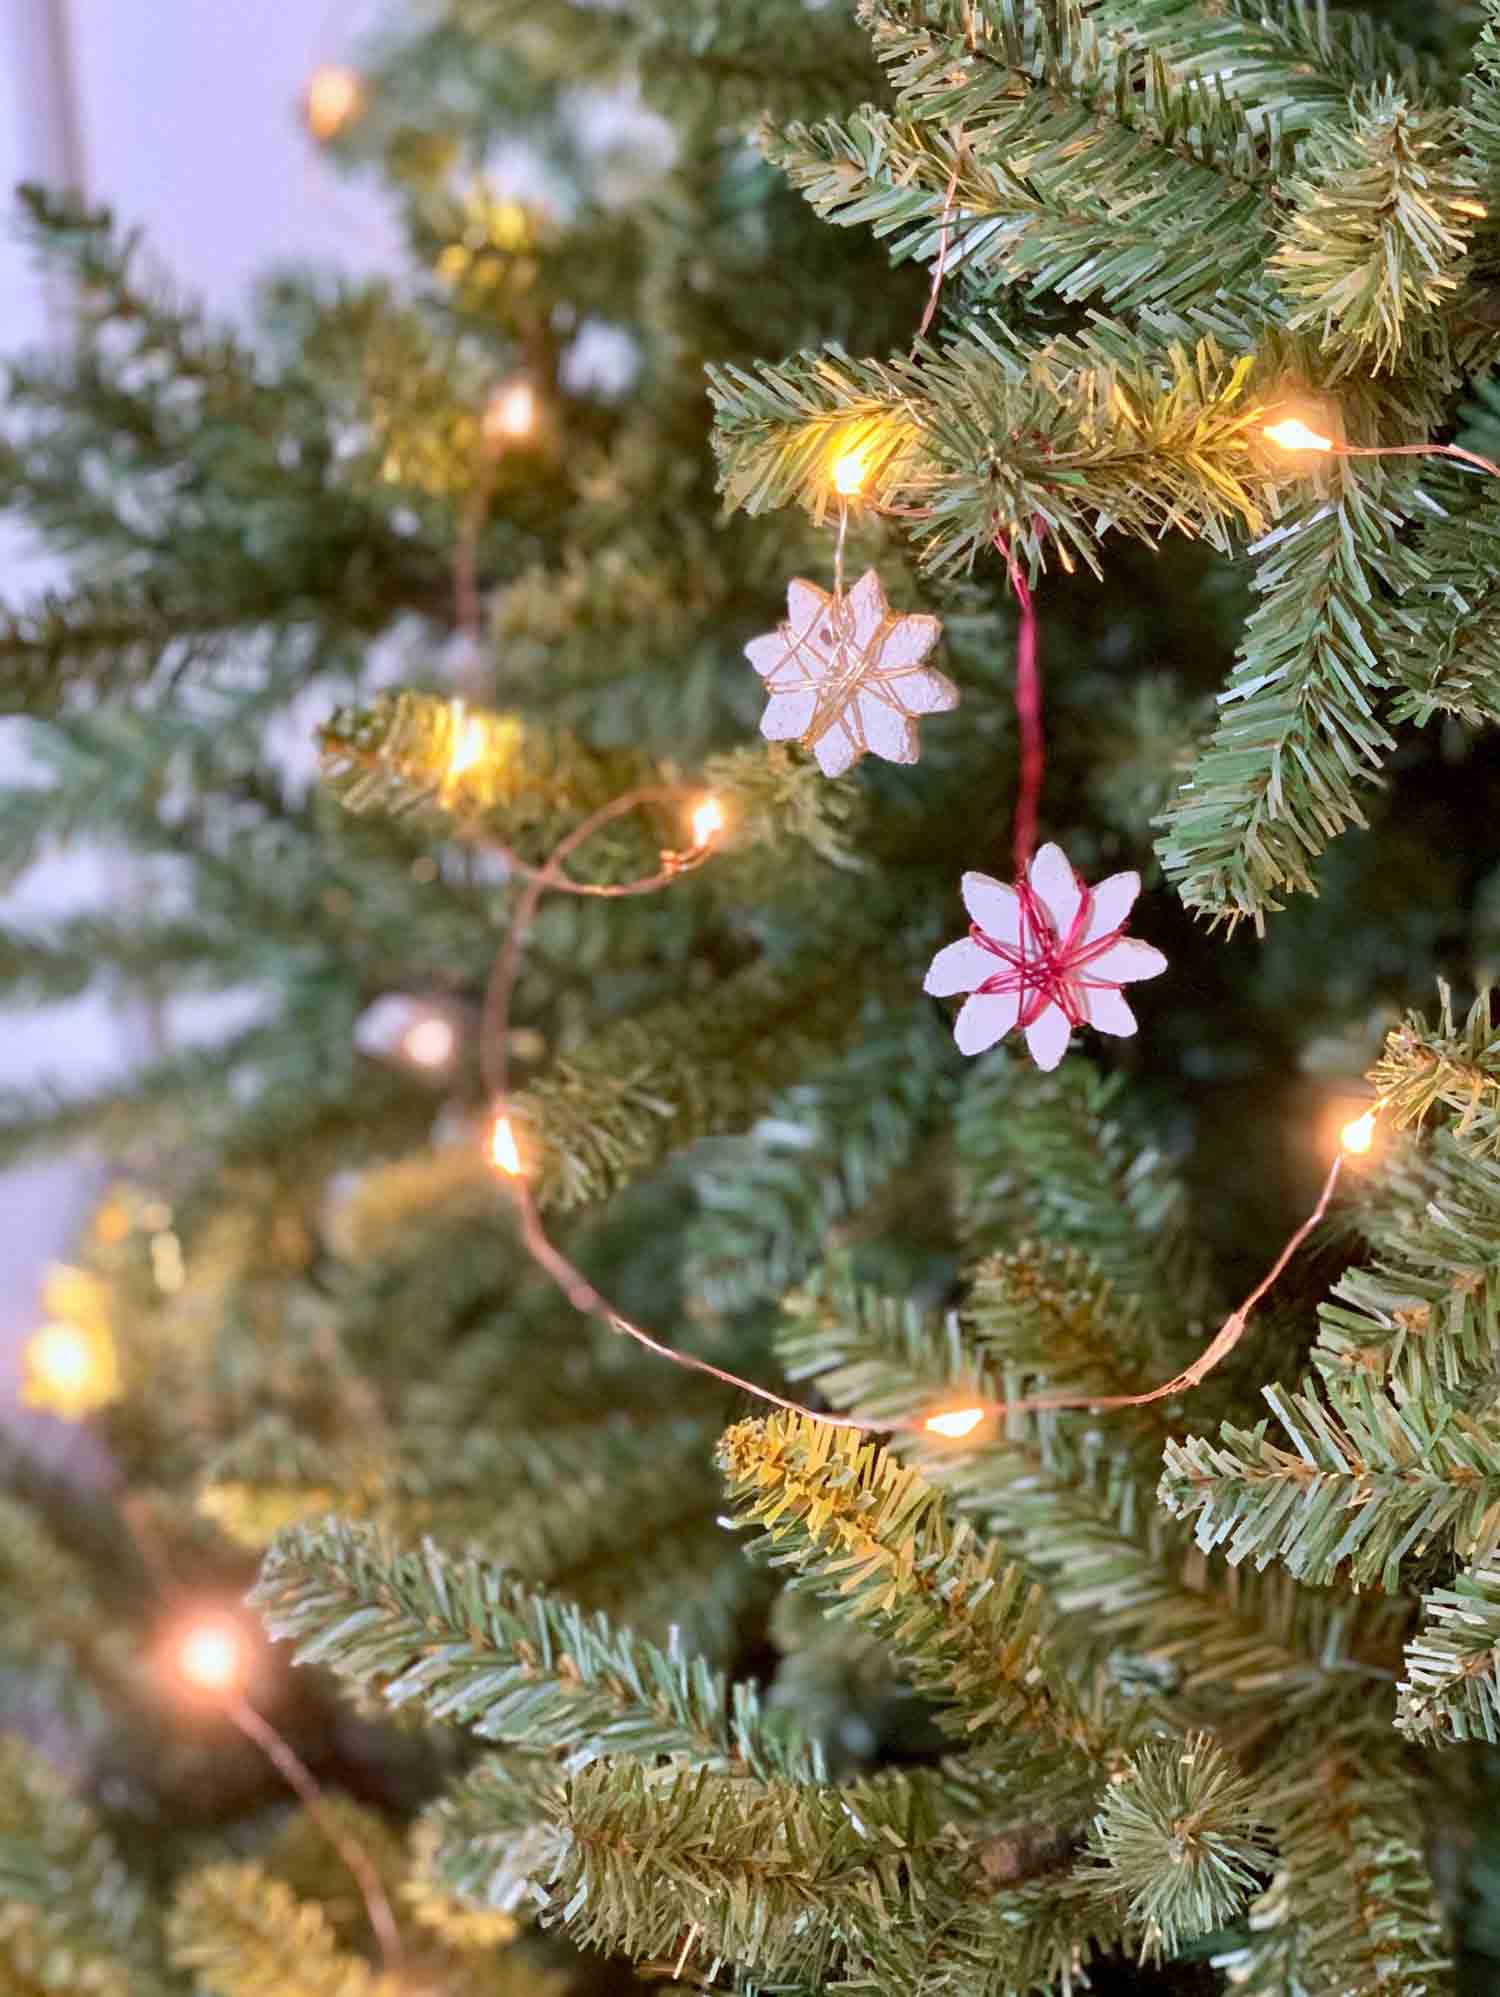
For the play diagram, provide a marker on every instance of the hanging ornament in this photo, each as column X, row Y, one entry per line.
column 1047, row 955
column 845, row 675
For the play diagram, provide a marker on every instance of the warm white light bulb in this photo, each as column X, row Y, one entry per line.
column 1359, row 1135
column 468, row 741
column 334, row 96
column 505, row 1153
column 1294, row 435
column 429, row 1042
column 708, row 821
column 849, row 474
column 61, row 1358
column 511, row 415
column 960, row 1421
column 211, row 1656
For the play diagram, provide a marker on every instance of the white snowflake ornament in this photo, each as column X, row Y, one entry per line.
column 845, row 675
column 1047, row 955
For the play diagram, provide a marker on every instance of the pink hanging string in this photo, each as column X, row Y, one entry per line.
column 1028, row 713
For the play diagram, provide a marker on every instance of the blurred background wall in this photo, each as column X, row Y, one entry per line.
column 183, row 115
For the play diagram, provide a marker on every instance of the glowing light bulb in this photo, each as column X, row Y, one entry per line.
column 505, row 1153
column 1359, row 1135
column 1294, row 435
column 69, row 1369
column 333, row 99
column 511, row 414
column 708, row 821
column 429, row 1042
column 468, row 741
column 211, row 1655
column 849, row 474
column 61, row 1356
column 960, row 1421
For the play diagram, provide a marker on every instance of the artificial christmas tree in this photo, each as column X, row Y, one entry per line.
column 585, row 1176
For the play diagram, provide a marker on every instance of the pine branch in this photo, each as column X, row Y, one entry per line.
column 1075, row 1507
column 243, row 1933
column 1058, row 1157
column 968, row 1630
column 769, row 1199
column 471, row 1644
column 1374, row 245
column 1420, row 1313
column 1299, row 730
column 1352, row 1905
column 1176, row 1836
column 1097, row 212
column 1450, row 663
column 962, row 66
column 1451, row 1691
column 1287, row 63
column 1481, row 129
column 71, row 1915
column 1361, row 1486
column 520, row 784
column 977, row 439
column 1423, row 1068
column 788, row 1882
column 780, row 1880
column 615, row 1107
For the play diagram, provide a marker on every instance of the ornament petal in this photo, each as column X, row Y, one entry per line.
column 836, row 750
column 1047, row 1036
column 924, row 690
column 768, row 652
column 887, row 731
column 1113, row 901
column 805, row 607
column 1123, row 962
column 1057, row 888
column 1108, row 1010
column 788, row 715
column 908, row 642
column 868, row 608
column 960, row 967
column 994, row 905
column 984, row 1019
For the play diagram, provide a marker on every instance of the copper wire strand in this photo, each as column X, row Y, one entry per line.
column 588, row 1301
column 279, row 1751
column 940, row 267
column 301, row 1780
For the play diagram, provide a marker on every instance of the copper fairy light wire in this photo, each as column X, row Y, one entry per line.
column 507, row 1153
column 1293, row 434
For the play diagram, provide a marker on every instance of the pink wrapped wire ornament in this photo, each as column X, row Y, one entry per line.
column 1048, row 955
column 846, row 675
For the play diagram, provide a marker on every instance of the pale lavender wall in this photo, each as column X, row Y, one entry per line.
column 188, row 120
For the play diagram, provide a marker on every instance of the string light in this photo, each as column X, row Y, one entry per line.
column 1294, row 435
column 958, row 1422
column 468, row 742
column 60, row 1356
column 210, row 1654
column 1358, row 1136
column 69, row 1370
column 429, row 1043
column 505, row 1153
column 511, row 413
column 708, row 822
column 333, row 100
column 849, row 474
column 588, row 1301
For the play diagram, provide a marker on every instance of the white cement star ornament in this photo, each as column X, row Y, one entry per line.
column 1047, row 955
column 845, row 675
